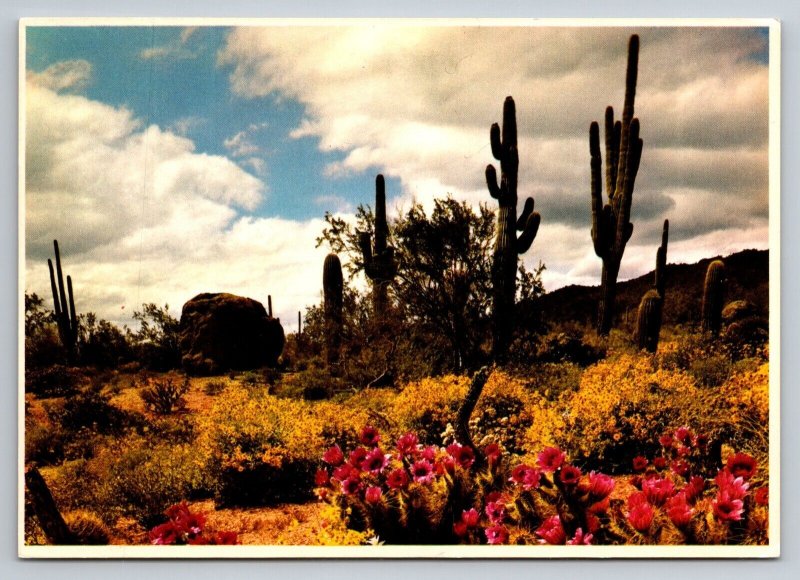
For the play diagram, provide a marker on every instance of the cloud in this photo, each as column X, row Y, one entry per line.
column 142, row 217
column 174, row 50
column 68, row 75
column 416, row 103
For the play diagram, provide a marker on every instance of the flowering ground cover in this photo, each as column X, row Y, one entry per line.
column 632, row 450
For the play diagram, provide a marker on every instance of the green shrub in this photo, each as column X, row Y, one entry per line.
column 165, row 396
column 711, row 371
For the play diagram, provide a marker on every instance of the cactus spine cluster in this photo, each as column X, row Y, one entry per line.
column 507, row 245
column 379, row 262
column 648, row 322
column 332, row 286
column 64, row 304
column 713, row 297
column 611, row 225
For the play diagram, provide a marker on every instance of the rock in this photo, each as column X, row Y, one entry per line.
column 221, row 332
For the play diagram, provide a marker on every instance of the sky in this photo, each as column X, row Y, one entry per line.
column 170, row 161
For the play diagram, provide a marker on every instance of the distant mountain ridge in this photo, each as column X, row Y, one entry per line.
column 747, row 274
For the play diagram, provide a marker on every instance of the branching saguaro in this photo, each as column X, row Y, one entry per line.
column 379, row 262
column 507, row 245
column 332, row 288
column 611, row 225
column 64, row 306
column 648, row 322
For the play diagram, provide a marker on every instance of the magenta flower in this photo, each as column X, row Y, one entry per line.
column 684, row 435
column 357, row 456
column 165, row 534
column 694, row 488
column 375, row 461
column 344, row 471
column 639, row 463
column 333, row 456
column 665, row 440
column 496, row 535
column 551, row 531
column 734, row 487
column 678, row 510
column 569, row 475
column 397, row 479
column 660, row 462
column 600, row 507
column 580, row 539
column 460, row 529
column 657, row 490
column 429, row 453
column 422, row 471
column 641, row 516
column 492, row 453
column 373, row 494
column 742, row 465
column 407, row 445
column 370, row 436
column 351, row 485
column 680, row 467
column 525, row 476
column 470, row 517
column 726, row 508
column 496, row 512
column 550, row 459
column 600, row 485
column 761, row 495
column 321, row 477
column 462, row 454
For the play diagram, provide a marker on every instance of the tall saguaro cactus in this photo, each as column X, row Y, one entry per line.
column 379, row 262
column 648, row 322
column 332, row 287
column 611, row 225
column 713, row 297
column 507, row 245
column 66, row 319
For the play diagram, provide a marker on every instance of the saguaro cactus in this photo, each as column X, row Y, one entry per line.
column 379, row 262
column 648, row 322
column 65, row 311
column 332, row 287
column 713, row 297
column 611, row 225
column 507, row 245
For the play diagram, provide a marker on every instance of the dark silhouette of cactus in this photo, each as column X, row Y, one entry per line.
column 379, row 262
column 269, row 305
column 507, row 245
column 648, row 320
column 468, row 406
column 299, row 325
column 611, row 225
column 713, row 297
column 66, row 319
column 332, row 286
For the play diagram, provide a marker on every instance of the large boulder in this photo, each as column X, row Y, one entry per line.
column 220, row 332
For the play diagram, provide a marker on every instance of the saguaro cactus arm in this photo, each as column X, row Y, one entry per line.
column 661, row 261
column 379, row 263
column 611, row 225
column 507, row 244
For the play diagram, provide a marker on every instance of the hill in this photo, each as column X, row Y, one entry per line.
column 747, row 279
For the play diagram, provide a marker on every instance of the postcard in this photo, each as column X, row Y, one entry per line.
column 399, row 288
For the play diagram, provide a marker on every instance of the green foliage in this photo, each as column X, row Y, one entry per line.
column 101, row 344
column 42, row 347
column 442, row 292
column 52, row 381
column 156, row 342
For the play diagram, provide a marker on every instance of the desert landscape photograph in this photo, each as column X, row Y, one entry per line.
column 381, row 288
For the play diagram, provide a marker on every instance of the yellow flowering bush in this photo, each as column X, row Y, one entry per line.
column 262, row 448
column 620, row 404
column 427, row 406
